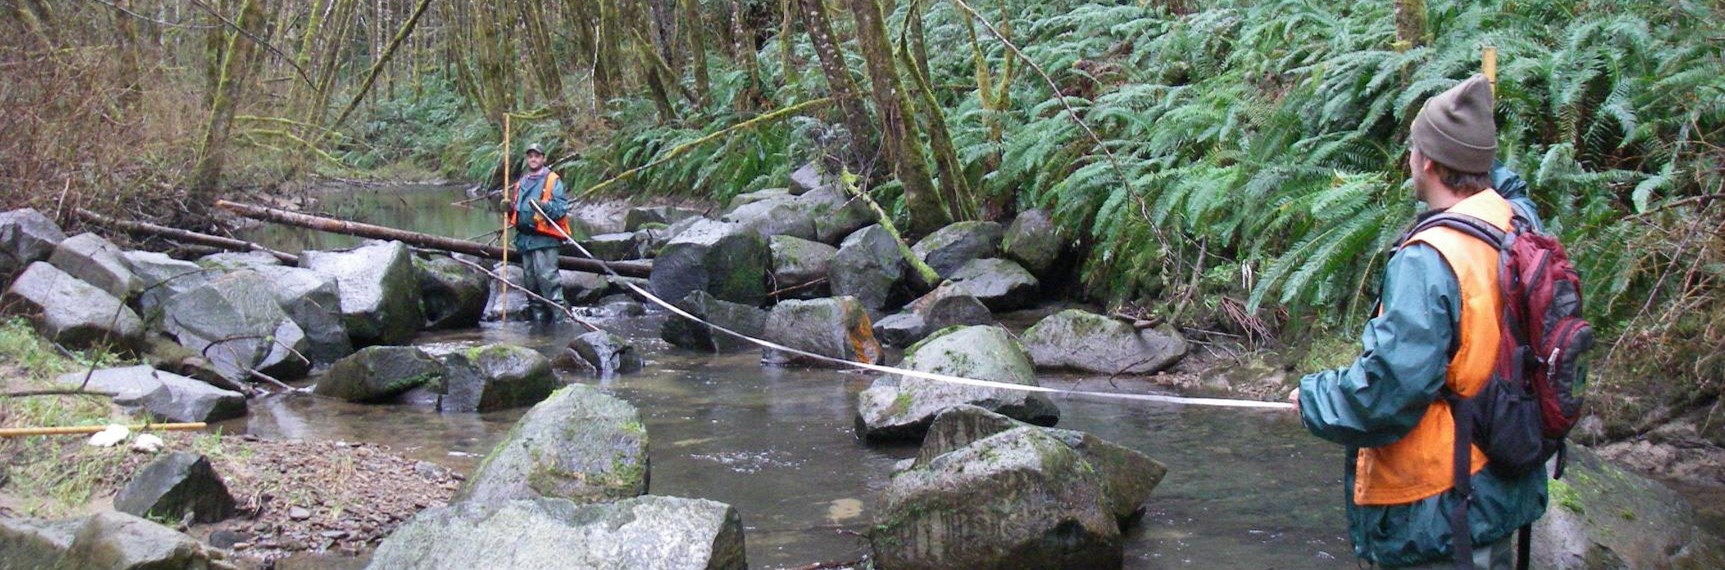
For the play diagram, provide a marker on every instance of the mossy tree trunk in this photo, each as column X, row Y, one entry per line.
column 1410, row 24
column 844, row 90
column 899, row 138
column 230, row 83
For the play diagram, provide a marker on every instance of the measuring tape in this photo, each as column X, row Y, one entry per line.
column 1181, row 400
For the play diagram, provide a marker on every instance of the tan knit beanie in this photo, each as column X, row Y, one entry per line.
column 1456, row 128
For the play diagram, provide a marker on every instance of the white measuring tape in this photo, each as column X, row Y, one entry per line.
column 1214, row 402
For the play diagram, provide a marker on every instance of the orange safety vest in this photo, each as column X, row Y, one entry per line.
column 539, row 223
column 1419, row 464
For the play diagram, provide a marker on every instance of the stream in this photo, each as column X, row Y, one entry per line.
column 1245, row 488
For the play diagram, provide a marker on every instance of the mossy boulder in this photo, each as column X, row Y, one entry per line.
column 581, row 288
column 237, row 322
column 69, row 311
column 506, row 300
column 379, row 373
column 783, row 215
column 579, row 444
column 605, row 354
column 120, row 541
column 26, row 236
column 452, row 294
column 744, row 319
column 834, row 327
column 902, row 407
column 161, row 277
column 836, row 214
column 1080, row 340
column 869, row 267
column 379, row 290
column 798, row 264
column 1034, row 242
column 1000, row 284
column 810, row 176
column 1015, row 499
column 639, row 218
column 1602, row 516
column 176, row 485
column 645, row 533
column 727, row 260
column 949, row 248
column 494, row 377
column 611, row 247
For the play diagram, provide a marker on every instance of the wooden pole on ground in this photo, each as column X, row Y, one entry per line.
column 81, row 430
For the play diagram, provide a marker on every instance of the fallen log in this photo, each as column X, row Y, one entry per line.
column 184, row 235
column 428, row 241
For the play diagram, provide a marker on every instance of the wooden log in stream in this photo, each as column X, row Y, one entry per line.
column 332, row 225
column 184, row 235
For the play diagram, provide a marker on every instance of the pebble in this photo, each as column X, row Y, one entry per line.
column 334, row 534
column 298, row 514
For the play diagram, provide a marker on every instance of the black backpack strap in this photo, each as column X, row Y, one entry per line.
column 1463, row 478
column 1469, row 225
column 1524, row 547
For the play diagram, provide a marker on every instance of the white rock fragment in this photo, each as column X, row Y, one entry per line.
column 115, row 433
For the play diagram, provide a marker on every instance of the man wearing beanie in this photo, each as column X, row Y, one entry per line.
column 1436, row 333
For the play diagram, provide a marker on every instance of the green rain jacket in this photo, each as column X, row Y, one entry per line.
column 526, row 238
column 1383, row 394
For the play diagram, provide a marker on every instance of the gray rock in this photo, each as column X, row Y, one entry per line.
column 834, row 327
column 868, row 266
column 119, row 541
column 774, row 217
column 506, row 301
column 902, row 329
column 1081, row 340
column 797, row 263
column 945, row 306
column 618, row 306
column 451, row 293
column 237, row 323
column 175, row 485
column 611, row 247
column 494, row 377
column 726, row 260
column 747, row 198
column 379, row 290
column 809, row 177
column 901, row 407
column 161, row 277
column 579, row 444
column 1016, row 499
column 606, row 353
column 597, row 218
column 666, row 215
column 98, row 262
column 581, row 288
column 71, row 312
column 836, row 215
column 379, row 373
column 645, row 533
column 1128, row 476
column 745, row 319
column 232, row 260
column 29, row 544
column 26, row 236
column 1033, row 241
column 313, row 301
column 1602, row 516
column 949, row 248
column 164, row 395
column 1000, row 284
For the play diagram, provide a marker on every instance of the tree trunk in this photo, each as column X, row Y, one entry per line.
column 206, row 175
column 844, row 90
column 1410, row 24
column 903, row 147
column 954, row 186
column 694, row 32
column 542, row 55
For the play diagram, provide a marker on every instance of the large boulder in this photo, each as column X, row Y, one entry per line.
column 637, row 218
column 379, row 373
column 783, row 215
column 233, row 260
column 119, row 541
column 868, row 266
column 901, row 407
column 174, row 486
column 452, row 294
column 71, row 312
column 379, row 290
column 999, row 283
column 30, row 544
column 945, row 306
column 507, row 301
column 581, row 288
column 949, row 248
column 800, row 266
column 744, row 319
column 1128, row 476
column 747, row 198
column 579, row 444
column 98, row 262
column 727, row 260
column 809, row 177
column 644, row 533
column 164, row 395
column 1033, row 241
column 494, row 377
column 597, row 218
column 1016, row 499
column 612, row 247
column 834, row 327
column 236, row 322
column 1081, row 340
column 836, row 215
column 605, row 353
column 313, row 301
column 161, row 277
column 1602, row 516
column 26, row 236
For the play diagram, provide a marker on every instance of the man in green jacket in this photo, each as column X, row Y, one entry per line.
column 1387, row 407
column 537, row 236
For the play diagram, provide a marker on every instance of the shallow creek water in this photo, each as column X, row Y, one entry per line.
column 1245, row 489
